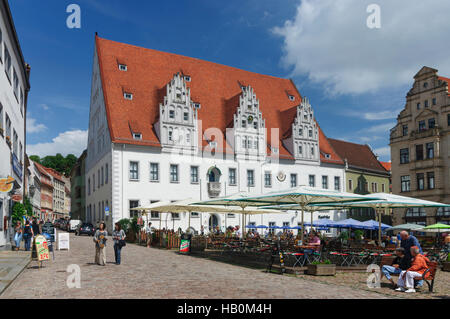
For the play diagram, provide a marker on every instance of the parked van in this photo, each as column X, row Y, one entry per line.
column 73, row 224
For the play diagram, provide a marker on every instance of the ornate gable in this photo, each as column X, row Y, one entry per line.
column 249, row 125
column 304, row 140
column 177, row 116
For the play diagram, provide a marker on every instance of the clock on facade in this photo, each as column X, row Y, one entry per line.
column 281, row 176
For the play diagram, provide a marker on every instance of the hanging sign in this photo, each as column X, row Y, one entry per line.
column 6, row 184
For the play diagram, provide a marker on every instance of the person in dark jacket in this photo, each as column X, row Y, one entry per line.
column 400, row 263
column 35, row 226
column 27, row 234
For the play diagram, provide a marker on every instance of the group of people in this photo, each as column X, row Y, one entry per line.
column 26, row 232
column 118, row 236
column 409, row 264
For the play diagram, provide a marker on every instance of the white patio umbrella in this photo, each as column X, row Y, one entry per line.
column 302, row 196
column 188, row 205
column 386, row 202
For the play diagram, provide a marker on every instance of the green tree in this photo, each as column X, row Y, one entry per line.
column 27, row 206
column 35, row 158
column 18, row 212
column 58, row 162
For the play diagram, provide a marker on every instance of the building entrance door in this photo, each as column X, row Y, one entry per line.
column 213, row 222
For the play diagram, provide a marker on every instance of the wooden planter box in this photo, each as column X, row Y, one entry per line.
column 446, row 266
column 322, row 270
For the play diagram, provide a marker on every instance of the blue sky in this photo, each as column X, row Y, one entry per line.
column 355, row 77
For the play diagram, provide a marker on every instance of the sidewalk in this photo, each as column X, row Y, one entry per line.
column 11, row 265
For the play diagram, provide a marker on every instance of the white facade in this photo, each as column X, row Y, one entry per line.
column 14, row 88
column 122, row 175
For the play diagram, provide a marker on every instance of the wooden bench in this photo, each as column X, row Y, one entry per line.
column 428, row 276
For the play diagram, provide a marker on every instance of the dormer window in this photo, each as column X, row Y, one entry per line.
column 128, row 96
column 291, row 97
column 327, row 156
column 197, row 106
column 187, row 78
column 123, row 67
column 137, row 136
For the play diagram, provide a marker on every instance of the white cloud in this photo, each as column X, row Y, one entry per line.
column 44, row 106
column 69, row 142
column 383, row 151
column 33, row 127
column 330, row 43
column 374, row 116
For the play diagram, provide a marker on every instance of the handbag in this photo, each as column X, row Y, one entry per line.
column 122, row 243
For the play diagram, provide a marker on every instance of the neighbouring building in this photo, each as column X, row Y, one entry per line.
column 420, row 148
column 168, row 127
column 14, row 87
column 46, row 193
column 67, row 196
column 388, row 167
column 364, row 174
column 78, row 188
column 33, row 186
column 58, row 193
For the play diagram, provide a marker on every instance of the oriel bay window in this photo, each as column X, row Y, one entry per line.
column 134, row 171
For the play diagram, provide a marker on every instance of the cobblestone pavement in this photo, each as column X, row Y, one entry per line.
column 154, row 273
column 12, row 264
column 357, row 280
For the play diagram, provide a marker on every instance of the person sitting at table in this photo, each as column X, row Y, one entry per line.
column 419, row 265
column 399, row 264
column 237, row 231
column 314, row 240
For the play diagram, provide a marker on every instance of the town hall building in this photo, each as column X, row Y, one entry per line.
column 165, row 127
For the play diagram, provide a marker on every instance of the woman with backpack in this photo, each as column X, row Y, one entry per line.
column 119, row 241
column 27, row 234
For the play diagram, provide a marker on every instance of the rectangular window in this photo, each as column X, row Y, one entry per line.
column 430, row 180
column 426, row 103
column 7, row 64
column 419, row 152
column 250, row 178
column 404, row 156
column 418, row 106
column 99, row 180
column 172, row 114
column 293, row 180
column 430, row 150
column 312, row 180
column 103, row 177
column 186, row 116
column 434, row 101
column 383, row 189
column 350, row 185
column 154, row 215
column 405, row 130
column 106, row 173
column 431, row 123
column 422, row 126
column 194, row 174
column 420, row 181
column 325, row 182
column 271, row 229
column 133, row 204
column 405, row 183
column 15, row 140
column 89, row 186
column 154, row 172
column 337, row 183
column 448, row 119
column 1, row 118
column 8, row 125
column 268, row 179
column 174, row 173
column 134, row 171
column 232, row 176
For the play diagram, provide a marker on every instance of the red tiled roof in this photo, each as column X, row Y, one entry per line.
column 446, row 80
column 54, row 173
column 387, row 165
column 42, row 169
column 357, row 155
column 216, row 87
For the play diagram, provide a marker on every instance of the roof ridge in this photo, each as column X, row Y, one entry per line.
column 198, row 59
